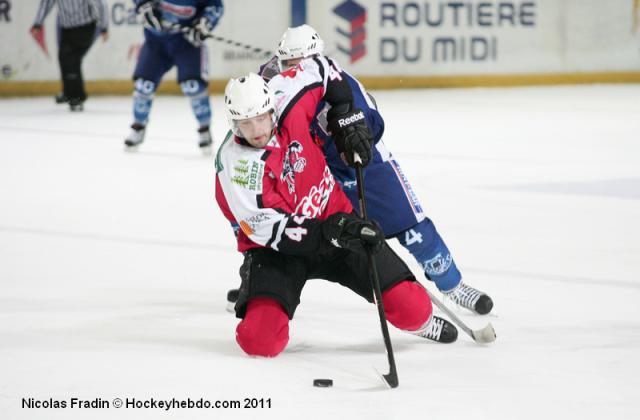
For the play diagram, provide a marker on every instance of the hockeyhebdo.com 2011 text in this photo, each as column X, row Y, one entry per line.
column 148, row 403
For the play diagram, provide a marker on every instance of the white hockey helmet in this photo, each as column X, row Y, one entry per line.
column 247, row 97
column 299, row 42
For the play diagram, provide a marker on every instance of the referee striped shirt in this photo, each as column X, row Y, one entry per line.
column 73, row 13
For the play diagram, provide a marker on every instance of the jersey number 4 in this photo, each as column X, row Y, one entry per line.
column 411, row 237
column 296, row 233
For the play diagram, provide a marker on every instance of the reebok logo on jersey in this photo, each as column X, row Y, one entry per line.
column 344, row 122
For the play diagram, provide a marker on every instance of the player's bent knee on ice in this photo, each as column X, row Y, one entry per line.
column 264, row 331
column 407, row 305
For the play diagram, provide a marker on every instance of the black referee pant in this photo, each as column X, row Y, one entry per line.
column 74, row 44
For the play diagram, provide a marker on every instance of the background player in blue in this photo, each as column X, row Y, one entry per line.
column 174, row 34
column 390, row 198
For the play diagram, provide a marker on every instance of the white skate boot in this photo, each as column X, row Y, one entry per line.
column 135, row 137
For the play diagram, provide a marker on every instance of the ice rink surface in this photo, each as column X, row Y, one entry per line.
column 114, row 266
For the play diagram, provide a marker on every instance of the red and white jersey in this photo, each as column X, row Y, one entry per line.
column 302, row 87
column 277, row 194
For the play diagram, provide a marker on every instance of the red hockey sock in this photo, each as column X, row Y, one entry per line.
column 264, row 331
column 407, row 305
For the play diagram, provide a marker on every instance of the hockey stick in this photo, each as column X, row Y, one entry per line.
column 483, row 335
column 392, row 377
column 231, row 42
column 256, row 50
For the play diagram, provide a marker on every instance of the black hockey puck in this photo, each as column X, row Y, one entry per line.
column 323, row 383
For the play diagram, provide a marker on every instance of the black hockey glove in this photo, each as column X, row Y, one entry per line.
column 199, row 32
column 351, row 134
column 351, row 232
column 151, row 14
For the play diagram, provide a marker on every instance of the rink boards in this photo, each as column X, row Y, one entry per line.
column 390, row 44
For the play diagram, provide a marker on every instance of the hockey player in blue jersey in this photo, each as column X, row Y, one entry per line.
column 174, row 32
column 390, row 198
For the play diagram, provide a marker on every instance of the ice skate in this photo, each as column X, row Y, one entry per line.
column 61, row 98
column 232, row 298
column 135, row 137
column 76, row 105
column 470, row 298
column 205, row 140
column 439, row 330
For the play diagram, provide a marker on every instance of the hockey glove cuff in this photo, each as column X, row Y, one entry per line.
column 351, row 135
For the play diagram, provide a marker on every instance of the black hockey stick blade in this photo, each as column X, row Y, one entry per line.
column 391, row 379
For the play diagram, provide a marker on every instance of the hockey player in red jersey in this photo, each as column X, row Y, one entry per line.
column 393, row 203
column 295, row 223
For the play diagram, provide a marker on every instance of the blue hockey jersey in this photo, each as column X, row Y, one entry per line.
column 390, row 198
column 180, row 13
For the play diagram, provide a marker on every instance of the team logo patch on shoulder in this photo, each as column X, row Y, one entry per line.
column 248, row 174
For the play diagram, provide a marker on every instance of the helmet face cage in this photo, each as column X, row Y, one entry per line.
column 247, row 97
column 299, row 42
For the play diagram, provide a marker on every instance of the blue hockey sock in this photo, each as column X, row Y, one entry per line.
column 142, row 100
column 428, row 248
column 197, row 92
